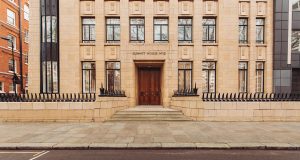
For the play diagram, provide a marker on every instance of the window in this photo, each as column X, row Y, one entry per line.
column 11, row 67
column 26, row 58
column 209, row 77
column 243, row 29
column 1, row 87
column 49, row 27
column 185, row 75
column 296, row 6
column 185, row 28
column 137, row 29
column 260, row 77
column 296, row 41
column 88, row 30
column 113, row 30
column 161, row 30
column 26, row 38
column 88, row 77
column 12, row 88
column 26, row 12
column 243, row 77
column 113, row 75
column 209, row 30
column 11, row 17
column 13, row 40
column 260, row 30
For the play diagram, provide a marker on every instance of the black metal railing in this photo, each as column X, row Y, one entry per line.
column 48, row 97
column 250, row 97
column 186, row 92
column 111, row 93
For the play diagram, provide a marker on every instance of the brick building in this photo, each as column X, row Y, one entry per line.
column 9, row 28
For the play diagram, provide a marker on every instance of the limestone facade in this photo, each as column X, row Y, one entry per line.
column 226, row 51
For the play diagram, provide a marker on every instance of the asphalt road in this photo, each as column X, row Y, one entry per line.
column 151, row 155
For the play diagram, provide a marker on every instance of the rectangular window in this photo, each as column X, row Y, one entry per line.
column 11, row 17
column 137, row 29
column 26, row 12
column 12, row 88
column 185, row 30
column 88, row 77
column 243, row 30
column 185, row 75
column 113, row 30
column 26, row 58
column 209, row 77
column 1, row 87
column 209, row 30
column 260, row 30
column 296, row 41
column 11, row 67
column 88, row 30
column 113, row 75
column 243, row 77
column 26, row 37
column 161, row 30
column 49, row 29
column 260, row 74
column 13, row 40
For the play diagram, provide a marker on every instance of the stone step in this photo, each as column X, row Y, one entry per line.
column 146, row 115
column 150, row 119
column 149, row 112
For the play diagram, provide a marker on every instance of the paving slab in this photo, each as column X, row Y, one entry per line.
column 107, row 145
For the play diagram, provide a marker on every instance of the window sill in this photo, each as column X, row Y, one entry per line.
column 244, row 45
column 261, row 45
column 185, row 44
column 87, row 44
column 210, row 44
column 112, row 44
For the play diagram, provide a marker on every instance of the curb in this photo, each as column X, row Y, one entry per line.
column 128, row 146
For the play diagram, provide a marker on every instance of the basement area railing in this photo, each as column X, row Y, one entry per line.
column 250, row 97
column 111, row 93
column 48, row 97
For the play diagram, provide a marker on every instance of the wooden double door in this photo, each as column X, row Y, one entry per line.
column 149, row 86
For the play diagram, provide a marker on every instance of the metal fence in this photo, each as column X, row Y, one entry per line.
column 111, row 93
column 250, row 97
column 47, row 97
column 185, row 92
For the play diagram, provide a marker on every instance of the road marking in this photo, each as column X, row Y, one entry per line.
column 39, row 155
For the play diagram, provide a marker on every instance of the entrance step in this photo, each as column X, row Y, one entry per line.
column 149, row 113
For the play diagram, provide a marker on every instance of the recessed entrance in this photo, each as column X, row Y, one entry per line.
column 149, row 85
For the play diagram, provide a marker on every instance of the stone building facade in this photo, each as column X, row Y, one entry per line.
column 151, row 48
column 9, row 28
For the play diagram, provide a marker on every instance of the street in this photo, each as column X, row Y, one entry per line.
column 174, row 154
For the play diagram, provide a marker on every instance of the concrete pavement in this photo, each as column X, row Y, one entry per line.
column 155, row 135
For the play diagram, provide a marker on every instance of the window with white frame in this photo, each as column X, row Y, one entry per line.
column 13, row 40
column 11, row 67
column 1, row 87
column 26, row 12
column 11, row 17
column 12, row 88
column 26, row 58
column 26, row 37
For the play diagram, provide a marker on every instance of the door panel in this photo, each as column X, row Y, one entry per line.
column 149, row 91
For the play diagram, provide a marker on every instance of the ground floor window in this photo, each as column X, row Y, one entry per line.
column 50, row 76
column 209, row 77
column 260, row 73
column 185, row 75
column 1, row 87
column 113, row 75
column 243, row 77
column 88, row 77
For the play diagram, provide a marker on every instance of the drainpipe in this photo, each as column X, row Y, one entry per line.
column 21, row 45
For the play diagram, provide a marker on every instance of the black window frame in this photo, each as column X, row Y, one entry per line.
column 184, row 74
column 263, row 76
column 246, row 74
column 106, row 78
column 160, row 39
column 114, row 26
column 246, row 26
column 209, row 26
column 264, row 30
column 137, row 26
column 90, row 80
column 208, row 76
column 90, row 40
column 184, row 32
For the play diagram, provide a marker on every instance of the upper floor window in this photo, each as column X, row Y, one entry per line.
column 296, row 6
column 185, row 75
column 26, row 12
column 209, row 77
column 49, row 29
column 260, row 30
column 260, row 74
column 26, row 58
column 243, row 30
column 185, row 28
column 296, row 41
column 137, row 29
column 12, row 42
column 26, row 37
column 113, row 30
column 11, row 67
column 88, row 30
column 11, row 17
column 113, row 75
column 209, row 30
column 243, row 77
column 88, row 77
column 161, row 30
